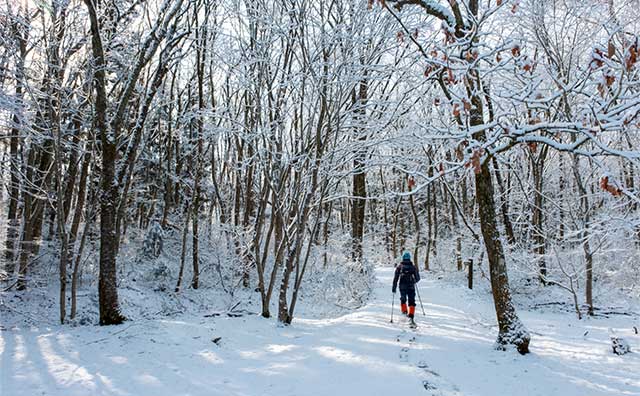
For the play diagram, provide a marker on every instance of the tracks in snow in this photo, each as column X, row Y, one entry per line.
column 433, row 383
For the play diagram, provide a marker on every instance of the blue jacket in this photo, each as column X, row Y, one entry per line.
column 407, row 274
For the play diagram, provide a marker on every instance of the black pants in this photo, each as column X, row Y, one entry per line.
column 411, row 293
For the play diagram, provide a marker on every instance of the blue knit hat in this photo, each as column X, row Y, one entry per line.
column 406, row 256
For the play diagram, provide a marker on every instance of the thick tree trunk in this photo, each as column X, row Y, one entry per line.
column 107, row 285
column 510, row 330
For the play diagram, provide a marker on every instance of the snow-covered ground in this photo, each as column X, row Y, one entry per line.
column 360, row 353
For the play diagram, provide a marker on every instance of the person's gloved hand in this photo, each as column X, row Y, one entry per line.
column 393, row 290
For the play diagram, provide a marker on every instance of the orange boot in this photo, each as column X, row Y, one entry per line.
column 412, row 311
column 403, row 308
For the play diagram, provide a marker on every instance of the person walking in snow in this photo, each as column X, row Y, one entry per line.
column 407, row 275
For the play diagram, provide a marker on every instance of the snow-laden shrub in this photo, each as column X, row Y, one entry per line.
column 153, row 240
column 335, row 282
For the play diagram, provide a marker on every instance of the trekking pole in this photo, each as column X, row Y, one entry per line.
column 393, row 300
column 419, row 299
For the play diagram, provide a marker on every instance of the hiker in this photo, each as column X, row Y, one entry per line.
column 408, row 275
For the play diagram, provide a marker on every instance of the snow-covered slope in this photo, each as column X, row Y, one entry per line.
column 357, row 354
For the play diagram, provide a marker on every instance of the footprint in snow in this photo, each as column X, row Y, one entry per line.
column 404, row 354
column 435, row 384
column 432, row 381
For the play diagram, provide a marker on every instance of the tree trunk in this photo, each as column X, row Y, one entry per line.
column 201, row 40
column 82, row 188
column 511, row 331
column 359, row 177
column 539, row 240
column 14, row 169
column 416, row 223
column 64, row 240
column 183, row 254
column 394, row 229
column 249, row 213
column 584, row 234
column 195, row 280
column 72, row 171
column 504, row 203
column 90, row 215
column 358, row 210
column 430, row 220
column 107, row 286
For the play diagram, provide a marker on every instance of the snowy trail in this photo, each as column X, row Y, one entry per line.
column 361, row 353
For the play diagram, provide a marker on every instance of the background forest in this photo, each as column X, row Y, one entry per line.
column 264, row 155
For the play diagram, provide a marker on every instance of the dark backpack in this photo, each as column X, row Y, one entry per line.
column 406, row 273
